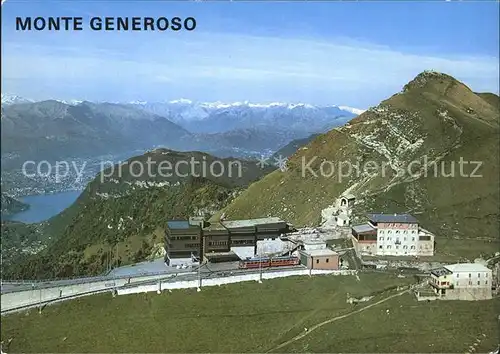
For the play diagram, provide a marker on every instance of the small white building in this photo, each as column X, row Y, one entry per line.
column 339, row 214
column 311, row 245
column 462, row 281
column 343, row 220
column 346, row 201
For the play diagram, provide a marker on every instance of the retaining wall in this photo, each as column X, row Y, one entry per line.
column 18, row 299
column 227, row 280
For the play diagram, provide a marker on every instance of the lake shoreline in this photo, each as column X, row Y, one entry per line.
column 42, row 207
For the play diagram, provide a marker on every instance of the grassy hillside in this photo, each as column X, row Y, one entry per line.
column 434, row 118
column 121, row 215
column 20, row 240
column 258, row 318
column 290, row 148
column 491, row 98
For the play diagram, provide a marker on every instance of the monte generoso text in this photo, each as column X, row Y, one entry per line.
column 66, row 23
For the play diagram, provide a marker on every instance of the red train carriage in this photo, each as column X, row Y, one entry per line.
column 256, row 262
column 266, row 262
column 284, row 261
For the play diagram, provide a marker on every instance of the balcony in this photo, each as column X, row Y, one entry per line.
column 441, row 284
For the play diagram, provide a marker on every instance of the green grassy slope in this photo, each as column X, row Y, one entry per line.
column 20, row 240
column 290, row 148
column 256, row 318
column 435, row 117
column 491, row 98
column 409, row 327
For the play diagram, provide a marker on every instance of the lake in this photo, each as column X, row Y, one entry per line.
column 44, row 206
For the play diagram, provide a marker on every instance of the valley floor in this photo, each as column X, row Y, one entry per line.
column 252, row 317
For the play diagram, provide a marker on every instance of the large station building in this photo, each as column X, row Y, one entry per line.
column 217, row 241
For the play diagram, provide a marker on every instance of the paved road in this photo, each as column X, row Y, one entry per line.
column 16, row 286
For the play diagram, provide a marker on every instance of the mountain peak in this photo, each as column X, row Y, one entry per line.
column 426, row 78
column 8, row 99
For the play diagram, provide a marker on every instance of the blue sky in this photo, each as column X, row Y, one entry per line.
column 346, row 53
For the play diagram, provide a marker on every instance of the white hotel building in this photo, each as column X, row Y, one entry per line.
column 392, row 235
column 462, row 281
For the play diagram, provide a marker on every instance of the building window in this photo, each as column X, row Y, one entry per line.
column 413, row 238
column 486, row 275
column 405, row 232
column 191, row 245
column 485, row 282
column 381, row 239
column 412, row 247
column 397, row 247
column 327, row 260
column 381, row 232
column 317, row 261
column 470, row 275
column 457, row 275
column 479, row 275
column 405, row 247
column 404, row 238
column 380, row 246
column 389, row 246
column 479, row 282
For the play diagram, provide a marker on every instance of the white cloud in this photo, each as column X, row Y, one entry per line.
column 240, row 63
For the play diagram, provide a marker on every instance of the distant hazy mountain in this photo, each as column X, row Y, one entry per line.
column 259, row 141
column 217, row 117
column 290, row 148
column 13, row 99
column 52, row 129
column 57, row 130
column 8, row 100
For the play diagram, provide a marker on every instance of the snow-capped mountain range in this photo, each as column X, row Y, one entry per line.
column 217, row 117
column 8, row 99
column 14, row 99
column 194, row 107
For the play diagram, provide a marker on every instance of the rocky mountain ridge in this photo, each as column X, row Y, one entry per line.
column 407, row 151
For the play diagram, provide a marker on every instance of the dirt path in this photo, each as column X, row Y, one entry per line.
column 321, row 324
column 305, row 318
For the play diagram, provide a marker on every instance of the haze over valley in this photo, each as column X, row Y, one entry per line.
column 84, row 134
